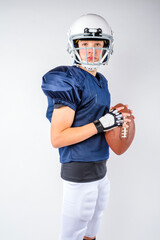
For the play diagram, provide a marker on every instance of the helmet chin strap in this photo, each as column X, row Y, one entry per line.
column 87, row 67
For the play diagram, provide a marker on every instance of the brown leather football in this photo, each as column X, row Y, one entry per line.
column 120, row 138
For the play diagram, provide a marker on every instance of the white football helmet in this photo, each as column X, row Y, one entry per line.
column 90, row 27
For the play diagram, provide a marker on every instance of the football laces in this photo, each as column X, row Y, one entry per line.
column 124, row 132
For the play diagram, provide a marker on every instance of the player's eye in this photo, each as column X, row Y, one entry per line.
column 98, row 45
column 84, row 44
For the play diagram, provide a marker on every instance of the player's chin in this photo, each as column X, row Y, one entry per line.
column 92, row 61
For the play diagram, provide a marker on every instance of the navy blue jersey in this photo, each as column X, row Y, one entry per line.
column 89, row 97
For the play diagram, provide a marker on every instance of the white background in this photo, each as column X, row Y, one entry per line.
column 32, row 41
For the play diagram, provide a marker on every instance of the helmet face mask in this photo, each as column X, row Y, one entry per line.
column 86, row 28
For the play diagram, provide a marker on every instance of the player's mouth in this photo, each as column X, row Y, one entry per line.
column 90, row 59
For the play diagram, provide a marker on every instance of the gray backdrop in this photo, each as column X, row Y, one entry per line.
column 32, row 41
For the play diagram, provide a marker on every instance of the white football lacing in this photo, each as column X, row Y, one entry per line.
column 124, row 132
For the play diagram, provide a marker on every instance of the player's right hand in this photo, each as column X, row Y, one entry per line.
column 109, row 121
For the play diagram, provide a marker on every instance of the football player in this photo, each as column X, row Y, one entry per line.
column 79, row 112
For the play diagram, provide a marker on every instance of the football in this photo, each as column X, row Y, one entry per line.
column 120, row 138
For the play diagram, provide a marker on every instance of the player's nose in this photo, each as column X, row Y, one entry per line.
column 90, row 50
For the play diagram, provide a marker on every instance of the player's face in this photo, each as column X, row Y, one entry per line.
column 90, row 45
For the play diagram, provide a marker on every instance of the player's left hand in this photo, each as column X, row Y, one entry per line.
column 118, row 109
column 125, row 115
column 130, row 111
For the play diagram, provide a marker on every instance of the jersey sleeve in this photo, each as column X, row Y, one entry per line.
column 60, row 88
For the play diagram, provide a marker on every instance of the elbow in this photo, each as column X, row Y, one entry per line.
column 56, row 141
column 54, row 145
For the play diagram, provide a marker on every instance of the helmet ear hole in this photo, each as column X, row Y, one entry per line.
column 106, row 43
column 75, row 42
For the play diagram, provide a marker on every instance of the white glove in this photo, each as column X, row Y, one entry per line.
column 109, row 121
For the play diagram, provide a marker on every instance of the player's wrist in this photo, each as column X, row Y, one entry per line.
column 98, row 126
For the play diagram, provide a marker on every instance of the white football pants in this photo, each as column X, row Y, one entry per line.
column 82, row 208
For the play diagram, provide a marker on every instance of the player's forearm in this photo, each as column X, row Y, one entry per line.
column 73, row 135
